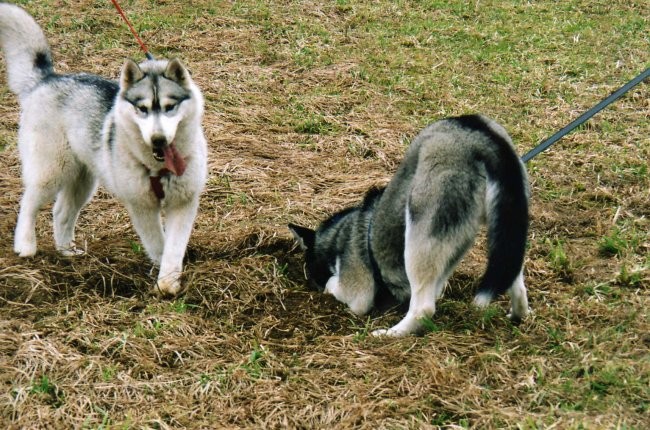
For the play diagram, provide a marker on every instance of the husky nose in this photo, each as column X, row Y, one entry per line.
column 158, row 141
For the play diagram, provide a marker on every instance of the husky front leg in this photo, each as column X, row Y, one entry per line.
column 179, row 221
column 148, row 224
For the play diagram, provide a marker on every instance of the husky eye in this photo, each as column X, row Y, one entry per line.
column 142, row 109
column 169, row 108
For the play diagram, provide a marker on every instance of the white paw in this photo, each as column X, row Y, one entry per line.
column 168, row 286
column 25, row 249
column 517, row 318
column 71, row 250
column 389, row 332
column 482, row 300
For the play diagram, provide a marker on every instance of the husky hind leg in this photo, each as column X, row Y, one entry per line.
column 427, row 280
column 429, row 263
column 430, row 255
column 518, row 299
column 34, row 198
column 72, row 197
column 43, row 163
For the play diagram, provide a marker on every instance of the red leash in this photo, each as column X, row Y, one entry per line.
column 135, row 33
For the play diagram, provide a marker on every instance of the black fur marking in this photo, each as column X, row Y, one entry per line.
column 317, row 269
column 508, row 229
column 108, row 89
column 155, row 102
column 111, row 136
column 451, row 211
column 448, row 218
column 180, row 99
column 382, row 288
column 135, row 101
column 336, row 218
column 380, row 285
column 43, row 61
column 472, row 122
column 371, row 196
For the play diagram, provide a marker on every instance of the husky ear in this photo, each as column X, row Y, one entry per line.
column 176, row 72
column 131, row 74
column 305, row 237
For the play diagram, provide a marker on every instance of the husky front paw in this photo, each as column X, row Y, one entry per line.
column 168, row 286
column 516, row 318
column 388, row 332
column 25, row 243
column 25, row 250
column 25, row 237
column 70, row 250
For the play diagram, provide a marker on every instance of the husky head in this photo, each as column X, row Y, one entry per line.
column 319, row 270
column 334, row 265
column 160, row 97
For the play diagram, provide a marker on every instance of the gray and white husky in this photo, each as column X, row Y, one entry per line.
column 141, row 138
column 407, row 238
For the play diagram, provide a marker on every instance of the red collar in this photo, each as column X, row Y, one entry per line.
column 156, row 185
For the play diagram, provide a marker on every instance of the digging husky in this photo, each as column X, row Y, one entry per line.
column 140, row 138
column 408, row 238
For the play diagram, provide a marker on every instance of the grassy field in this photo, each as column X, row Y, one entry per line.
column 307, row 105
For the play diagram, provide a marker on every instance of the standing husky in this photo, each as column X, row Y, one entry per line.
column 408, row 237
column 140, row 138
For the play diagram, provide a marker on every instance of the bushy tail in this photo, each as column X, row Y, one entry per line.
column 27, row 53
column 507, row 217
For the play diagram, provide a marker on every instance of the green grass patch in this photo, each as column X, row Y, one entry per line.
column 559, row 258
column 48, row 390
column 620, row 241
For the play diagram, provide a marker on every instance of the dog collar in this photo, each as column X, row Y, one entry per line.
column 156, row 184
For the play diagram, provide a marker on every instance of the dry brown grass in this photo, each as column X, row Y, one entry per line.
column 296, row 134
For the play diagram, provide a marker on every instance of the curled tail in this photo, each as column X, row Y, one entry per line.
column 27, row 53
column 506, row 209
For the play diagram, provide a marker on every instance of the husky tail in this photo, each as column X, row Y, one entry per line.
column 507, row 218
column 27, row 53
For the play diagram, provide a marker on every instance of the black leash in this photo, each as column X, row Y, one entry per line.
column 585, row 116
